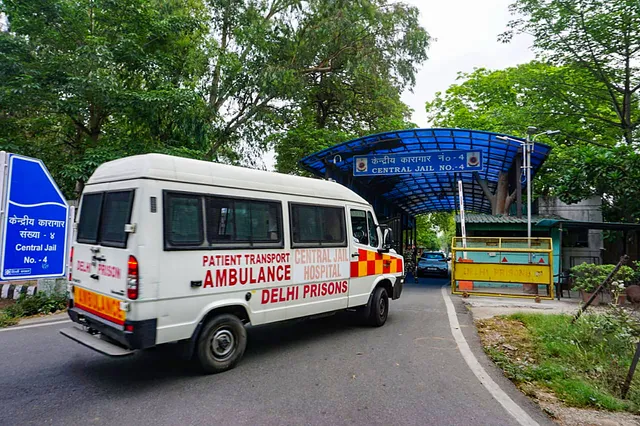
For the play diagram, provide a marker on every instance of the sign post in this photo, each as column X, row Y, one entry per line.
column 34, row 221
column 462, row 224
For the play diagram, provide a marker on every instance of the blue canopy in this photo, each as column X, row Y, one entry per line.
column 422, row 193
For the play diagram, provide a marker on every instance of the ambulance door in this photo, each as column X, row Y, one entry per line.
column 320, row 259
column 366, row 261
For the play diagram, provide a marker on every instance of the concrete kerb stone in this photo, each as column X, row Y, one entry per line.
column 44, row 319
column 483, row 307
column 16, row 289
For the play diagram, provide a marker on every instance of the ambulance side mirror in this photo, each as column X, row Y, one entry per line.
column 387, row 239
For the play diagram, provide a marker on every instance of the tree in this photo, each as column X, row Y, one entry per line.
column 82, row 82
column 354, row 88
column 613, row 173
column 377, row 108
column 599, row 37
column 535, row 93
column 547, row 96
column 435, row 230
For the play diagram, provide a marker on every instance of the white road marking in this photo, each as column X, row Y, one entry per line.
column 22, row 327
column 512, row 408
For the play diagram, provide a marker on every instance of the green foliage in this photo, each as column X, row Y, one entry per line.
column 584, row 363
column 435, row 231
column 368, row 54
column 588, row 276
column 601, row 38
column 636, row 272
column 585, row 160
column 6, row 319
column 581, row 394
column 84, row 82
column 585, row 83
column 509, row 100
column 38, row 304
column 576, row 172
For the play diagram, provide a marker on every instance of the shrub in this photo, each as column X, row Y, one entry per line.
column 39, row 304
column 6, row 320
column 588, row 276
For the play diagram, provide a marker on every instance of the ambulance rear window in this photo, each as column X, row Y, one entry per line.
column 103, row 216
column 90, row 218
column 116, row 212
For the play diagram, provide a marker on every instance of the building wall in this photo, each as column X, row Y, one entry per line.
column 589, row 210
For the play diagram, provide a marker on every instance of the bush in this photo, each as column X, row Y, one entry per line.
column 6, row 320
column 39, row 304
column 588, row 276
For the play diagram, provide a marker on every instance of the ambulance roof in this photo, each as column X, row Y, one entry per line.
column 178, row 169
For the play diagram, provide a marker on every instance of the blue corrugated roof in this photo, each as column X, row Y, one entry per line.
column 421, row 193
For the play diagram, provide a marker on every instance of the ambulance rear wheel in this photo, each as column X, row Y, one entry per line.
column 221, row 343
column 379, row 307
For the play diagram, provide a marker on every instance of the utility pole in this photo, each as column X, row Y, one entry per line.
column 528, row 148
column 526, row 154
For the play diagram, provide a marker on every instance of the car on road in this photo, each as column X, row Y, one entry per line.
column 433, row 263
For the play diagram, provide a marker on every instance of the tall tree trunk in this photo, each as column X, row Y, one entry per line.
column 501, row 200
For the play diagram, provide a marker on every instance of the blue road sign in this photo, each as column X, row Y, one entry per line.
column 418, row 163
column 34, row 224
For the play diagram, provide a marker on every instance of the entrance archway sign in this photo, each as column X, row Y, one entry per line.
column 424, row 191
column 422, row 162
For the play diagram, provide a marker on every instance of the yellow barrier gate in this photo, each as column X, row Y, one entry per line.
column 505, row 267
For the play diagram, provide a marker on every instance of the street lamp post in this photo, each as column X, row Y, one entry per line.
column 528, row 148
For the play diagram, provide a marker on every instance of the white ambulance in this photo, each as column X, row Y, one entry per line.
column 169, row 249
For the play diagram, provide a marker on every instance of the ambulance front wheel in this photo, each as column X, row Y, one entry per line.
column 221, row 343
column 379, row 309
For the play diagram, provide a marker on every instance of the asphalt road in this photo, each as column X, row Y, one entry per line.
column 316, row 372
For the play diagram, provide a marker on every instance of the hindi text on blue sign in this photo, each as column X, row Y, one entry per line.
column 35, row 223
column 426, row 162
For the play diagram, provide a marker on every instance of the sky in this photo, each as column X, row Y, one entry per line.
column 465, row 37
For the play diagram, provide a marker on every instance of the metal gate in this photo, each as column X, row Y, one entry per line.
column 505, row 267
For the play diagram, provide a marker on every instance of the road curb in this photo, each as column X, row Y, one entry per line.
column 44, row 319
column 14, row 291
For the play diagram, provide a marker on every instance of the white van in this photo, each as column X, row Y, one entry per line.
column 169, row 249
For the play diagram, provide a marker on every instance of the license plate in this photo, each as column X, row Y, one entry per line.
column 432, row 269
column 100, row 305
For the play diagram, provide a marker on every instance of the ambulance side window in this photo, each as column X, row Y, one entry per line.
column 183, row 220
column 359, row 227
column 317, row 226
column 243, row 222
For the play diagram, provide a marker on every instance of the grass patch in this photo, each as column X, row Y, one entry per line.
column 26, row 306
column 584, row 364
